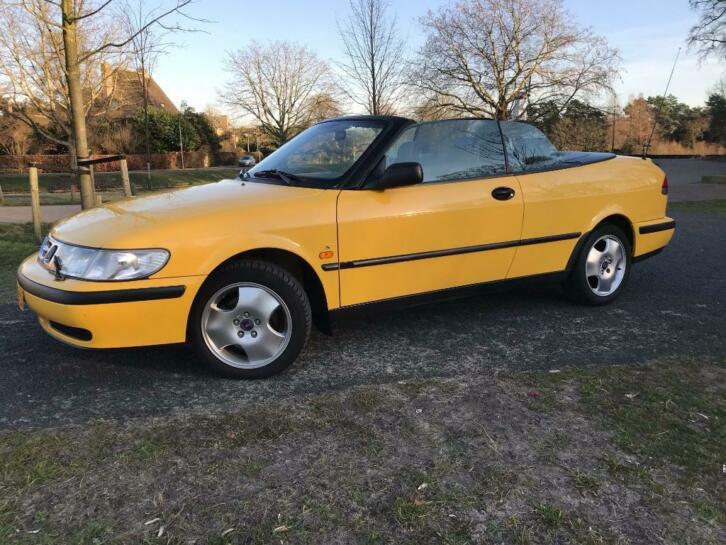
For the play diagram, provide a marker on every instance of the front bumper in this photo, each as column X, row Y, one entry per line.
column 108, row 314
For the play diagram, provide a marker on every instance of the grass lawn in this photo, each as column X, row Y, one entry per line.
column 594, row 456
column 715, row 179
column 55, row 187
column 16, row 243
column 714, row 206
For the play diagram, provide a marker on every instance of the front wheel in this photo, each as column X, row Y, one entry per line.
column 250, row 319
column 602, row 267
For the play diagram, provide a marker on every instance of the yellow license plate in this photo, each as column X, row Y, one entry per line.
column 21, row 297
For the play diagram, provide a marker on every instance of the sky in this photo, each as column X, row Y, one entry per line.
column 648, row 34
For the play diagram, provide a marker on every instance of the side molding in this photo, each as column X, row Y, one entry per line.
column 448, row 252
column 658, row 227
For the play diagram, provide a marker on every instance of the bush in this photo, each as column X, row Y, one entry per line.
column 164, row 132
column 205, row 132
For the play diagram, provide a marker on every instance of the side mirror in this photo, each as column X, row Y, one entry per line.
column 399, row 175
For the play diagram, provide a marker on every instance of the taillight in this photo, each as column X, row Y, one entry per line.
column 664, row 186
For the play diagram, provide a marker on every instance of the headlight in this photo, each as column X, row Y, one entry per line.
column 94, row 264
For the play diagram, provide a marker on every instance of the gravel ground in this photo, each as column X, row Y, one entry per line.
column 673, row 306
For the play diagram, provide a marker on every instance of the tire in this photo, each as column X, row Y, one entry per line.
column 250, row 320
column 583, row 285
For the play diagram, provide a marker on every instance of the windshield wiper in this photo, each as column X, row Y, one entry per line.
column 287, row 177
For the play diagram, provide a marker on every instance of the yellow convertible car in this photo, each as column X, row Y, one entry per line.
column 353, row 211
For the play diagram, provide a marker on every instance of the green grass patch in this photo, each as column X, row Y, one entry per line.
column 585, row 482
column 16, row 243
column 160, row 179
column 364, row 465
column 667, row 414
column 714, row 179
column 549, row 515
column 717, row 206
column 64, row 197
column 671, row 414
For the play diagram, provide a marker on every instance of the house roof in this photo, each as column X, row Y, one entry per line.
column 126, row 88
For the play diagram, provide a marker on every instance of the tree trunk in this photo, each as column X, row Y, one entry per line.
column 75, row 91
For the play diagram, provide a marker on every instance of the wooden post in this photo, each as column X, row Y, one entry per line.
column 35, row 202
column 125, row 177
column 93, row 183
column 2, row 197
column 99, row 199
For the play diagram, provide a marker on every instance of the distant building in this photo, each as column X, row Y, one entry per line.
column 220, row 123
column 124, row 91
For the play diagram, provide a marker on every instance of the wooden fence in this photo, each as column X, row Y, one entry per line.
column 192, row 159
column 90, row 164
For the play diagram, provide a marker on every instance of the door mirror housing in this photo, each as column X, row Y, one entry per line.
column 399, row 175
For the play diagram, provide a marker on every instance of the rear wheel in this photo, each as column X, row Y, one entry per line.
column 602, row 267
column 251, row 319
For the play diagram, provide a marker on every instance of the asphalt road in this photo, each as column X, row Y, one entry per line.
column 674, row 306
column 690, row 171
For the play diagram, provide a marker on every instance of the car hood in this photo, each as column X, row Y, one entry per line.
column 169, row 219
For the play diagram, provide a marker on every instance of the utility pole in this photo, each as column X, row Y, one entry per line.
column 181, row 140
column 145, row 91
column 73, row 77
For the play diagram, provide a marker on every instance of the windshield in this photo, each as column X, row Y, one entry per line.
column 322, row 154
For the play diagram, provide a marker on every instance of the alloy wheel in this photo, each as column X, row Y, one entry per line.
column 246, row 325
column 605, row 266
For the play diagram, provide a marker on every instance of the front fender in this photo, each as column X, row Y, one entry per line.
column 221, row 253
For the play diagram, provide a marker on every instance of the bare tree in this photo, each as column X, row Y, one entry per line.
column 69, row 39
column 481, row 57
column 73, row 12
column 15, row 136
column 709, row 34
column 719, row 88
column 33, row 82
column 145, row 53
column 375, row 57
column 148, row 43
column 280, row 85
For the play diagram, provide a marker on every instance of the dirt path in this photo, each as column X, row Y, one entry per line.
column 49, row 214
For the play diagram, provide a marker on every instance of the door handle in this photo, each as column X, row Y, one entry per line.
column 503, row 193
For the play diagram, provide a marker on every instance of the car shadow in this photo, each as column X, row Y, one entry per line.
column 408, row 323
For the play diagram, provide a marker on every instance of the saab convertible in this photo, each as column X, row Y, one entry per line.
column 353, row 211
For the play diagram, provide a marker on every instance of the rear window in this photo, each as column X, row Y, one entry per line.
column 527, row 147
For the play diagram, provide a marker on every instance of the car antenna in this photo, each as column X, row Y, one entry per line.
column 646, row 146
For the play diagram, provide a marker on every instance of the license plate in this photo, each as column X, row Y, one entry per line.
column 21, row 297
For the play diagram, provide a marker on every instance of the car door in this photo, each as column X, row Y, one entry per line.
column 459, row 227
column 561, row 201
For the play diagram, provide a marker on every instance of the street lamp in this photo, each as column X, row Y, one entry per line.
column 181, row 140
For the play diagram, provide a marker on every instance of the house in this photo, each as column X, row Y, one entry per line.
column 220, row 123
column 124, row 91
